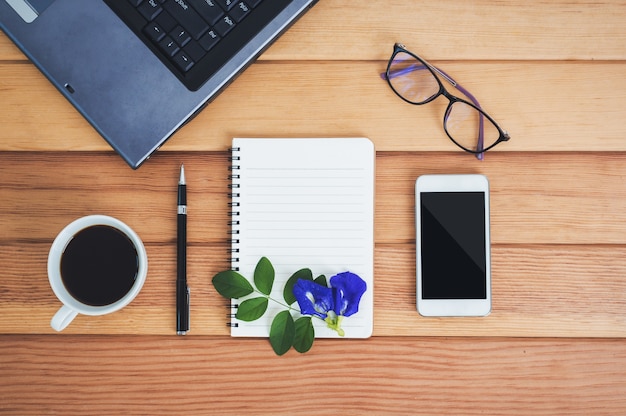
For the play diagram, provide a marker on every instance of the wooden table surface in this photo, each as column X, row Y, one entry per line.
column 551, row 73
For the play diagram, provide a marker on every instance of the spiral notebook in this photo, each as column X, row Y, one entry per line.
column 304, row 203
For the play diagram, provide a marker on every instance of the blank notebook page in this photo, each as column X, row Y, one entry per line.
column 304, row 203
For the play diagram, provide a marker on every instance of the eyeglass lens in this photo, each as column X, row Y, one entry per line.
column 413, row 81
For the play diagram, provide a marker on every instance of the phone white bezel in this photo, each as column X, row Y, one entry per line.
column 452, row 183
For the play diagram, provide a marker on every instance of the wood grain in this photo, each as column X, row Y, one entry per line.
column 418, row 376
column 559, row 198
column 544, row 107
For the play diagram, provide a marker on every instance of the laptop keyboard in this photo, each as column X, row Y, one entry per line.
column 194, row 38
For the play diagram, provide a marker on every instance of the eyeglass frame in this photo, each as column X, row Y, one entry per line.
column 503, row 135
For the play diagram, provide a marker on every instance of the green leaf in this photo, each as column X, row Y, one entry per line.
column 305, row 334
column 282, row 332
column 305, row 274
column 252, row 309
column 321, row 280
column 264, row 276
column 231, row 284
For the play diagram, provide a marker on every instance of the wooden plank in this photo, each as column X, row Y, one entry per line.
column 538, row 290
column 582, row 112
column 59, row 187
column 451, row 30
column 167, row 375
column 554, row 198
column 477, row 30
column 559, row 198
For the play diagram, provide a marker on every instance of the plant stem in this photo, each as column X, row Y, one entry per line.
column 289, row 307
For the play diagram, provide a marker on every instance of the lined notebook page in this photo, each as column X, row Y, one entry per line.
column 304, row 203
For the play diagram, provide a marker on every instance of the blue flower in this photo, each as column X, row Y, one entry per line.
column 312, row 298
column 347, row 290
column 331, row 304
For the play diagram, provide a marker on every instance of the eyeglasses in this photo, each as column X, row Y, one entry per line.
column 416, row 82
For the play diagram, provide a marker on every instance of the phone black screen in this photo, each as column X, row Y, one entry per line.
column 453, row 245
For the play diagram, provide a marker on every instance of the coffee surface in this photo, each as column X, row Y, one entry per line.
column 99, row 265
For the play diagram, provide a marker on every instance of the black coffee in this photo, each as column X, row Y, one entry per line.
column 99, row 265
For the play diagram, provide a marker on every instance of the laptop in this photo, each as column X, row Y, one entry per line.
column 138, row 70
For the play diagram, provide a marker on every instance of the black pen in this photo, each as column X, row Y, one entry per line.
column 182, row 290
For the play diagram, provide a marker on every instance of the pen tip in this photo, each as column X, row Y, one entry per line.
column 182, row 175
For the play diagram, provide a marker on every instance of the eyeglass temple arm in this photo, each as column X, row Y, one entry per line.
column 404, row 71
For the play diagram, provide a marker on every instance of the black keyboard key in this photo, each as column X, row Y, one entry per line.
column 150, row 9
column 209, row 40
column 154, row 32
column 180, row 35
column 183, row 61
column 195, row 51
column 254, row 3
column 227, row 4
column 135, row 2
column 240, row 11
column 168, row 46
column 225, row 25
column 208, row 9
column 187, row 17
column 166, row 21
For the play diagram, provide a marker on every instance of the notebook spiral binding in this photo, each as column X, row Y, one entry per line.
column 233, row 212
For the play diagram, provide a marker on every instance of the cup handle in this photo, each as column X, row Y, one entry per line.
column 62, row 318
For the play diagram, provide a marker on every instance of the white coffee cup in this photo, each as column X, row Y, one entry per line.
column 75, row 234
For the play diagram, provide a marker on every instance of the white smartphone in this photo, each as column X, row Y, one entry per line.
column 453, row 245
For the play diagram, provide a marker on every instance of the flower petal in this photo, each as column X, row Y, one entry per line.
column 313, row 299
column 347, row 289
